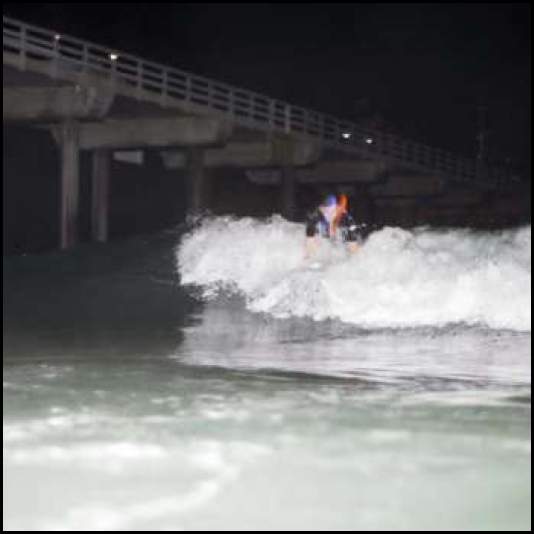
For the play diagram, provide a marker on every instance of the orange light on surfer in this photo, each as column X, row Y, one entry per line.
column 341, row 209
column 343, row 203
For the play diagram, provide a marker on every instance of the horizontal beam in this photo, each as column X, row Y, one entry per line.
column 333, row 172
column 409, row 184
column 141, row 133
column 51, row 104
column 246, row 155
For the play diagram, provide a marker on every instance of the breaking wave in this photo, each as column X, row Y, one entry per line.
column 400, row 278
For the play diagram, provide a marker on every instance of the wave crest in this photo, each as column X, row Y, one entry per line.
column 400, row 278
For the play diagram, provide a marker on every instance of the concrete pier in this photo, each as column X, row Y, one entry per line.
column 100, row 194
column 127, row 104
column 196, row 186
column 69, row 183
column 142, row 133
column 42, row 104
column 247, row 155
column 285, row 151
column 289, row 191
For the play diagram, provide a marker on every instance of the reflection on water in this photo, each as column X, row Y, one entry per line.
column 129, row 404
column 228, row 336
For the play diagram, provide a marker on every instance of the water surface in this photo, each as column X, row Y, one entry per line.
column 258, row 398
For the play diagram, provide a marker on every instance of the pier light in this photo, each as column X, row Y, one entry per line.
column 113, row 56
column 346, row 135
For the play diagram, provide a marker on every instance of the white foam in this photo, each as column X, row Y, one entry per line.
column 91, row 453
column 399, row 279
column 179, row 478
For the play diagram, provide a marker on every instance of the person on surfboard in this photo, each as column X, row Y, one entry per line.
column 332, row 220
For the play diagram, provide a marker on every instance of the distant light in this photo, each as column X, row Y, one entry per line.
column 57, row 37
column 346, row 135
column 113, row 57
column 369, row 140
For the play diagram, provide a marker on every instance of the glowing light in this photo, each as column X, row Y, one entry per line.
column 57, row 37
column 346, row 135
column 113, row 56
column 369, row 140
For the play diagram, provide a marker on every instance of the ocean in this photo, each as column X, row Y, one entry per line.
column 212, row 377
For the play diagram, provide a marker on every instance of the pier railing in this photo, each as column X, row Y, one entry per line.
column 175, row 87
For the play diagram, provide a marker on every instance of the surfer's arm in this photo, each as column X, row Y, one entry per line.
column 311, row 224
column 312, row 221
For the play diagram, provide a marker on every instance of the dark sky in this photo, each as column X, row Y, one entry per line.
column 423, row 67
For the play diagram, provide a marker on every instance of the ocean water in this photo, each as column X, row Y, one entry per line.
column 217, row 379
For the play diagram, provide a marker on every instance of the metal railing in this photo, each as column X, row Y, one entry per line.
column 173, row 87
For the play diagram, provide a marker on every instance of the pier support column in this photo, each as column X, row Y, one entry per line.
column 100, row 195
column 284, row 150
column 69, row 183
column 288, row 192
column 195, row 182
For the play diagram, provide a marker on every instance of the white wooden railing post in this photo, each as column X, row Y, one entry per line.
column 287, row 118
column 55, row 57
column 113, row 68
column 139, row 86
column 22, row 51
column 187, row 88
column 231, row 103
column 209, row 90
column 272, row 108
column 164, row 89
column 85, row 58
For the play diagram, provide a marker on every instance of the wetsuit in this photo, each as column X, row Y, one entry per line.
column 347, row 229
column 316, row 224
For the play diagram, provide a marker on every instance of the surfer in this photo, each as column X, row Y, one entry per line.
column 332, row 220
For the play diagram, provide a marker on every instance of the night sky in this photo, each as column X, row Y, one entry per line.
column 422, row 68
